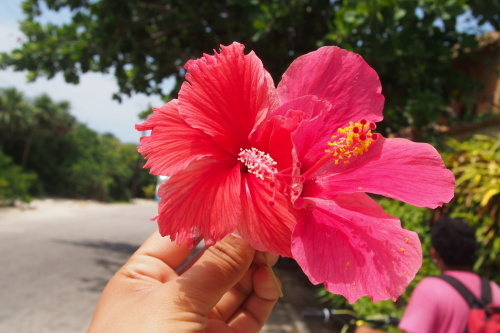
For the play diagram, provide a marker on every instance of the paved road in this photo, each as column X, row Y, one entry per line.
column 56, row 259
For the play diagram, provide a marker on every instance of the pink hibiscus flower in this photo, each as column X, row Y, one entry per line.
column 343, row 238
column 286, row 167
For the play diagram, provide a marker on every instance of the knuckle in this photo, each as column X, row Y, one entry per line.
column 233, row 253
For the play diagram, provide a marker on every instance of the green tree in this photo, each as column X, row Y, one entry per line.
column 49, row 118
column 15, row 114
column 103, row 168
column 411, row 44
column 39, row 135
column 23, row 121
column 15, row 183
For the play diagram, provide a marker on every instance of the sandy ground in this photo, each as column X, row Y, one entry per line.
column 57, row 256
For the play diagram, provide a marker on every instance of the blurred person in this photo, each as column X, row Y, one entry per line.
column 227, row 289
column 435, row 306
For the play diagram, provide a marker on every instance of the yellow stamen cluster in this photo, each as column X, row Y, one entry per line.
column 353, row 140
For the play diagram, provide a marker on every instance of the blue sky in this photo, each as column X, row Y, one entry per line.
column 90, row 100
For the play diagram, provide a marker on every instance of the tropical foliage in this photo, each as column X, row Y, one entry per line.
column 15, row 183
column 41, row 141
column 476, row 165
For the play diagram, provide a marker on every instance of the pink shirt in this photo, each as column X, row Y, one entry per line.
column 436, row 307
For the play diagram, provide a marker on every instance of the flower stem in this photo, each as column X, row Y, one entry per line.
column 271, row 273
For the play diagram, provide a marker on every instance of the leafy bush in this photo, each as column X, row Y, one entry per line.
column 149, row 191
column 476, row 165
column 102, row 168
column 14, row 182
column 70, row 159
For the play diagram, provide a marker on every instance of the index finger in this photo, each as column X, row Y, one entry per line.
column 158, row 258
column 164, row 249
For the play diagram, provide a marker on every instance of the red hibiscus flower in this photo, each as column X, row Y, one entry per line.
column 220, row 141
column 287, row 167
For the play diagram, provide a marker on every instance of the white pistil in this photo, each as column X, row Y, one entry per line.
column 258, row 163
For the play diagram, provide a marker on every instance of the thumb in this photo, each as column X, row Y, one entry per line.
column 219, row 268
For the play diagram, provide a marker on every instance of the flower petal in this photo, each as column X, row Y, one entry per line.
column 173, row 144
column 273, row 136
column 312, row 106
column 396, row 168
column 226, row 95
column 340, row 77
column 202, row 200
column 311, row 138
column 352, row 246
column 266, row 227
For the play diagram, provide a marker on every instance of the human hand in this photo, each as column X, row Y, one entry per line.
column 228, row 289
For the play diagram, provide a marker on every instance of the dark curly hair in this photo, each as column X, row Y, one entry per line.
column 455, row 241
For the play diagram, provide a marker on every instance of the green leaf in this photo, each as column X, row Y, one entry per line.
column 488, row 195
column 399, row 13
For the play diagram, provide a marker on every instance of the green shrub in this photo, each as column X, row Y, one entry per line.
column 15, row 183
column 476, row 165
column 149, row 191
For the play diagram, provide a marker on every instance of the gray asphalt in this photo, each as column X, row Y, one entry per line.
column 55, row 260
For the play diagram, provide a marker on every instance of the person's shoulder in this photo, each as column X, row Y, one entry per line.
column 424, row 307
column 431, row 281
column 494, row 284
column 430, row 286
column 495, row 291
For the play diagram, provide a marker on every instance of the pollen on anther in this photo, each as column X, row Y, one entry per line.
column 351, row 141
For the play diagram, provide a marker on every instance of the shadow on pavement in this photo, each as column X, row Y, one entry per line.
column 118, row 247
column 109, row 257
